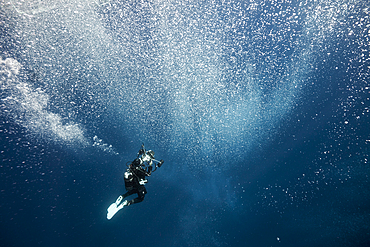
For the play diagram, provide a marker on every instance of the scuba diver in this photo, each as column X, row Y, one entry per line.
column 135, row 179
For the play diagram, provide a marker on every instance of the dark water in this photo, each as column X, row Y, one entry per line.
column 260, row 110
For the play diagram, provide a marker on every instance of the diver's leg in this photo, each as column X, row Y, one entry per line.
column 129, row 193
column 141, row 191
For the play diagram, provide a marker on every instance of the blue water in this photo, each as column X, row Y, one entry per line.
column 260, row 110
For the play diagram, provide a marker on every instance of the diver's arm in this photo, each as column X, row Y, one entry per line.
column 149, row 172
column 141, row 151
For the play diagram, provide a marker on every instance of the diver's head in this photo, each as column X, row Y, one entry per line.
column 135, row 163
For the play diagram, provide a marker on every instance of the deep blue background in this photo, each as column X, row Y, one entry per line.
column 271, row 151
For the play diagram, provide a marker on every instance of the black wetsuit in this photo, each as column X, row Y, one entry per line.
column 134, row 174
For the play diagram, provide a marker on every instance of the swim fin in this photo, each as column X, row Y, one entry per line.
column 115, row 207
